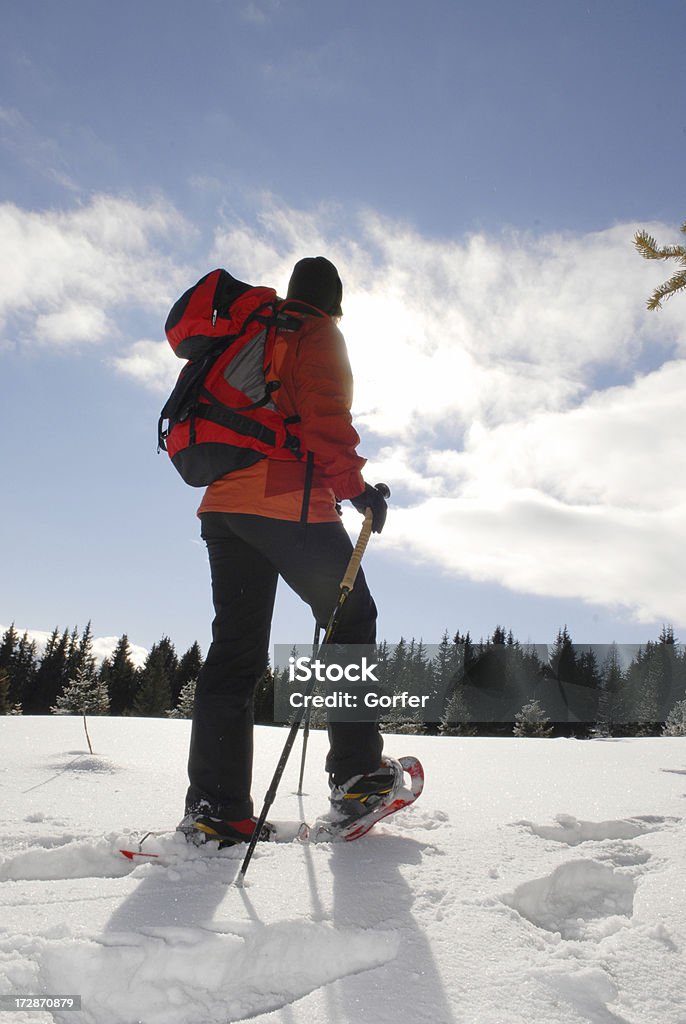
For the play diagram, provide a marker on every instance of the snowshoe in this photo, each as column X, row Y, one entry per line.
column 201, row 828
column 362, row 801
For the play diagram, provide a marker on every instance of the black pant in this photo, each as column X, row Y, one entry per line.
column 247, row 555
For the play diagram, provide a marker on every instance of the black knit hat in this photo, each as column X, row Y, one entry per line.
column 315, row 280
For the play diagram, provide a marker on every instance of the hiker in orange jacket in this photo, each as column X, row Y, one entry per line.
column 280, row 518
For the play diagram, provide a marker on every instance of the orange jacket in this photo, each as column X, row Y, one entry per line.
column 316, row 385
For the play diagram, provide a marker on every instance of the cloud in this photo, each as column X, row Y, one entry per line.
column 68, row 277
column 514, row 392
column 627, row 559
column 74, row 322
column 259, row 12
column 524, row 406
column 493, row 330
column 620, row 447
column 41, row 154
column 151, row 363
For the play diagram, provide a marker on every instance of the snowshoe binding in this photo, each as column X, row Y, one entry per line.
column 200, row 828
column 362, row 801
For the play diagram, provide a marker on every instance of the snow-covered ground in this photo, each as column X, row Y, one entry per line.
column 534, row 880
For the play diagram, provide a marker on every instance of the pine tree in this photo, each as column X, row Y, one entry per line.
column 445, row 663
column 8, row 645
column 421, row 682
column 667, row 685
column 84, row 694
column 466, row 656
column 563, row 658
column 648, row 248
column 407, row 669
column 532, row 721
column 653, row 683
column 188, row 670
column 52, row 675
column 4, row 692
column 120, row 675
column 587, row 671
column 184, row 705
column 611, row 672
column 83, row 652
column 72, row 659
column 153, row 697
column 495, row 661
column 647, row 714
column 442, row 676
column 499, row 636
column 22, row 669
column 167, row 652
column 636, row 701
column 397, row 667
column 456, row 718
column 676, row 720
column 419, row 666
column 611, row 678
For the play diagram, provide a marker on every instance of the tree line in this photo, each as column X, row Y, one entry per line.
column 494, row 686
column 65, row 677
column 499, row 686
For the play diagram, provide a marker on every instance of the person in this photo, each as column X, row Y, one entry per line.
column 281, row 518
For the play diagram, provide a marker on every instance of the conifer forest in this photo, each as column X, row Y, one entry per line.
column 493, row 686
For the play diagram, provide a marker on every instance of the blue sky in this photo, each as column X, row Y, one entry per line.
column 477, row 171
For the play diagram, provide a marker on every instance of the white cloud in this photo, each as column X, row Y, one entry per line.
column 493, row 330
column 532, row 543
column 620, row 447
column 64, row 276
column 151, row 363
column 73, row 323
column 477, row 366
column 523, row 404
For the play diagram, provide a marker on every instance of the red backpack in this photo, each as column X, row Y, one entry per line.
column 220, row 415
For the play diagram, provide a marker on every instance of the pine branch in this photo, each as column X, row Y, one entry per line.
column 648, row 248
column 665, row 291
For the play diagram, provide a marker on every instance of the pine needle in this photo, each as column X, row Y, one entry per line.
column 648, row 248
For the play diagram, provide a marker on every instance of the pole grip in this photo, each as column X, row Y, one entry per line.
column 348, row 581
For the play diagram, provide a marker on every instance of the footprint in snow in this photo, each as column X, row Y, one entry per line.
column 216, row 973
column 571, row 831
column 582, row 899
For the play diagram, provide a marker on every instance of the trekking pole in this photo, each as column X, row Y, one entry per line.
column 346, row 585
column 306, row 726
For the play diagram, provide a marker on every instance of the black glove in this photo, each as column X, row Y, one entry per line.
column 373, row 499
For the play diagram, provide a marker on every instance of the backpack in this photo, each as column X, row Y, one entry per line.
column 220, row 416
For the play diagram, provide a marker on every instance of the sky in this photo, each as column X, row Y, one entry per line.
column 477, row 171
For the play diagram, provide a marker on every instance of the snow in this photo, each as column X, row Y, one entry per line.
column 534, row 880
